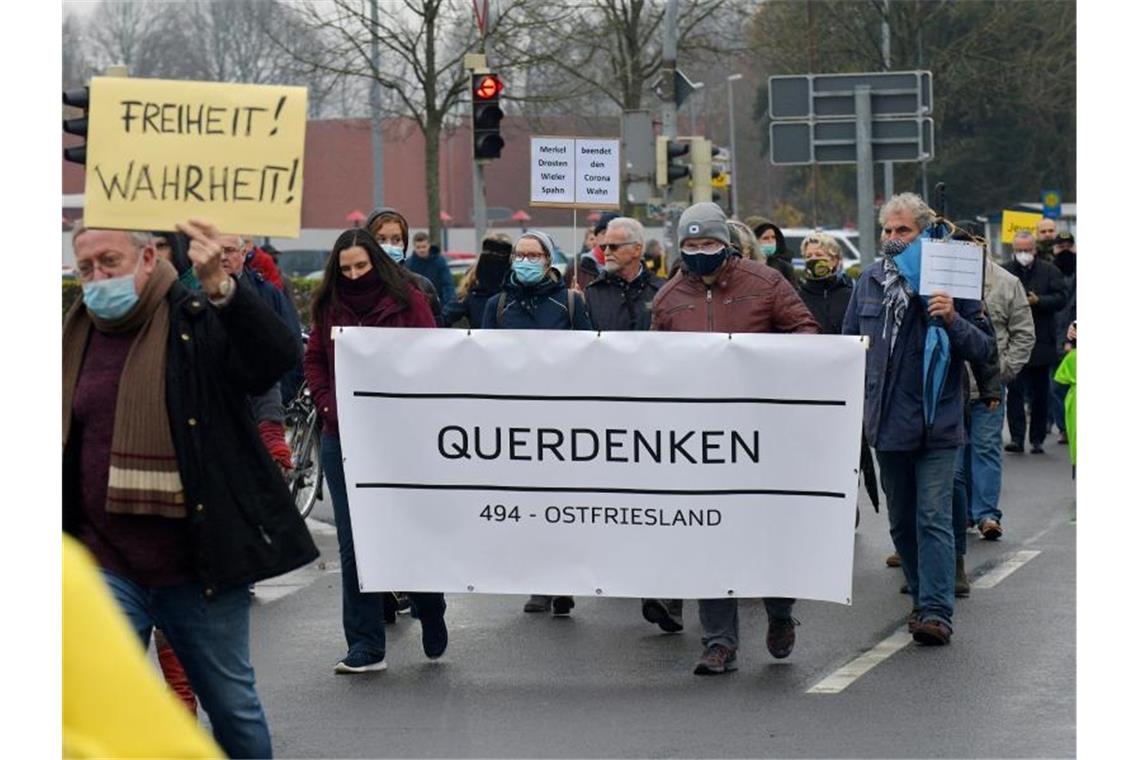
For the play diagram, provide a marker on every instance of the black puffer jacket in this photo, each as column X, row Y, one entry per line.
column 542, row 306
column 619, row 305
column 827, row 299
column 1048, row 283
column 781, row 260
column 243, row 524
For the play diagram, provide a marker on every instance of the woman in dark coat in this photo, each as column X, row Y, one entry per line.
column 481, row 283
column 775, row 251
column 825, row 289
column 361, row 286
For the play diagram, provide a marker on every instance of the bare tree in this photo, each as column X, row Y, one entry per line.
column 75, row 64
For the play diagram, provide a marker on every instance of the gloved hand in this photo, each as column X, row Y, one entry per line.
column 273, row 437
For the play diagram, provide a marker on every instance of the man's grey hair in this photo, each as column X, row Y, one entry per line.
column 138, row 239
column 1024, row 235
column 632, row 227
column 911, row 205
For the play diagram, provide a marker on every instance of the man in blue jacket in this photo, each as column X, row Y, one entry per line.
column 913, row 405
column 427, row 261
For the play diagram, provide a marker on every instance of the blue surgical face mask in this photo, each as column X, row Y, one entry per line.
column 704, row 264
column 394, row 252
column 528, row 272
column 768, row 249
column 112, row 298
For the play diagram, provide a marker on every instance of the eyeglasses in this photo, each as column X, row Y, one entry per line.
column 230, row 251
column 529, row 256
column 712, row 246
column 615, row 246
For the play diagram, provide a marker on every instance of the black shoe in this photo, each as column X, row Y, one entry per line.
column 1015, row 448
column 1036, row 449
column 390, row 607
column 716, row 660
column 434, row 636
column 655, row 611
column 562, row 606
column 403, row 603
column 781, row 636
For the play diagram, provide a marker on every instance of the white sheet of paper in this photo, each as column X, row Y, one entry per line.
column 952, row 266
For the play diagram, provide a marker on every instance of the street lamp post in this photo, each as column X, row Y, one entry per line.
column 732, row 141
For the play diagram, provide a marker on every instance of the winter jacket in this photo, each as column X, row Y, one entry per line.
column 781, row 260
column 746, row 296
column 619, row 305
column 434, row 267
column 543, row 306
column 284, row 308
column 1048, row 283
column 320, row 369
column 1012, row 321
column 243, row 524
column 471, row 307
column 893, row 418
column 427, row 290
column 827, row 300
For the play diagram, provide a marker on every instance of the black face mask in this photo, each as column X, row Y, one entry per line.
column 818, row 269
column 491, row 269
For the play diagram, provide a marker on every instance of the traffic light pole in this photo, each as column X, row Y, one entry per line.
column 669, row 117
column 480, row 190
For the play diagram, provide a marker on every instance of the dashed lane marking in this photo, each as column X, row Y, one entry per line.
column 839, row 680
column 1005, row 569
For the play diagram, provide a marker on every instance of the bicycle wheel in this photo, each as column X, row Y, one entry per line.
column 307, row 472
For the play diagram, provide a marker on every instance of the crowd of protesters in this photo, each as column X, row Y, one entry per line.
column 184, row 348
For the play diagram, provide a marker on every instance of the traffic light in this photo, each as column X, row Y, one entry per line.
column 486, row 115
column 669, row 171
column 78, row 98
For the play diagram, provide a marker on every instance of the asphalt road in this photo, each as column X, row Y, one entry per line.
column 604, row 683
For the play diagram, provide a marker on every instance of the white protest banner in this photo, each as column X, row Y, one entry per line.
column 953, row 266
column 569, row 172
column 598, row 179
column 551, row 170
column 635, row 464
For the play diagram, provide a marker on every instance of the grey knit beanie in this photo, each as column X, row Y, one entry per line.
column 703, row 220
column 542, row 238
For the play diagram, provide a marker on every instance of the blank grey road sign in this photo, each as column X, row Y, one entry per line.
column 833, row 142
column 832, row 96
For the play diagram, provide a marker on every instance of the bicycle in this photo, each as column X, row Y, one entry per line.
column 303, row 434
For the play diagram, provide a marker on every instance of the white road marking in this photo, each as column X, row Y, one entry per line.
column 846, row 675
column 1005, row 569
column 320, row 528
column 901, row 638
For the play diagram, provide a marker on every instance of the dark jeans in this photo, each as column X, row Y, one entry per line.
column 919, row 487
column 211, row 640
column 363, row 614
column 1031, row 383
column 722, row 625
column 1058, row 402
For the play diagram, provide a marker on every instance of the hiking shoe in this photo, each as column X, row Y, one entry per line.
column 655, row 611
column 360, row 662
column 537, row 603
column 781, row 636
column 894, row 560
column 717, row 659
column 1015, row 448
column 932, row 633
column 990, row 529
column 961, row 582
column 434, row 636
column 563, row 605
column 912, row 621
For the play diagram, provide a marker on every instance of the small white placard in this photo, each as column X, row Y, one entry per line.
column 952, row 266
column 598, row 177
column 552, row 170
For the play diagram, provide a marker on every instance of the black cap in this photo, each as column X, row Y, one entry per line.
column 1064, row 237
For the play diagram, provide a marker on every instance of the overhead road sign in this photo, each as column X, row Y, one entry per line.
column 833, row 142
column 832, row 96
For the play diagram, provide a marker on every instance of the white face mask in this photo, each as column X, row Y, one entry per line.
column 1025, row 258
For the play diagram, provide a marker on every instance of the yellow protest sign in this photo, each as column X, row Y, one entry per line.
column 160, row 152
column 1013, row 222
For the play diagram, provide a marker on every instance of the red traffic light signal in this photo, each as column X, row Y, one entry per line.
column 487, row 86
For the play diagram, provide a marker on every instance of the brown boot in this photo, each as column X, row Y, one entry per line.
column 894, row 560
column 961, row 582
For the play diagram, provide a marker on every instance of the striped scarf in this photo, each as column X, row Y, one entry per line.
column 144, row 477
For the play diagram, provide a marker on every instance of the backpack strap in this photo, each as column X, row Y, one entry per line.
column 501, row 308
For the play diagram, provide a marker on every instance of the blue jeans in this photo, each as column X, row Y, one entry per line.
column 919, row 489
column 977, row 472
column 211, row 639
column 722, row 625
column 362, row 614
